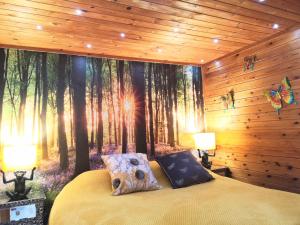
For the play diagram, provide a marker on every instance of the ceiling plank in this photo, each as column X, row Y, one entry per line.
column 268, row 8
column 96, row 29
column 196, row 14
column 177, row 7
column 102, row 19
column 225, row 10
column 58, row 44
column 179, row 31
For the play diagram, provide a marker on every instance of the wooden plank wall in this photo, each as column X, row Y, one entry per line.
column 259, row 146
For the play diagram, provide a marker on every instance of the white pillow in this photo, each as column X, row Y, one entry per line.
column 130, row 172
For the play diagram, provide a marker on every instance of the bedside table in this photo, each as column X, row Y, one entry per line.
column 24, row 212
column 221, row 170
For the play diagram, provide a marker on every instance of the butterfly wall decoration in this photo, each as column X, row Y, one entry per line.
column 228, row 100
column 249, row 62
column 284, row 93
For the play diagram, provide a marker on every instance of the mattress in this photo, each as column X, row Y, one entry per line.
column 87, row 200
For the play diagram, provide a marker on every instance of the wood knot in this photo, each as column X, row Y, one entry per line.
column 290, row 167
column 295, row 179
column 296, row 123
column 283, row 134
column 269, row 176
column 128, row 8
column 277, row 163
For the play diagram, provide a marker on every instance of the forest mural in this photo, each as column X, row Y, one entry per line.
column 64, row 111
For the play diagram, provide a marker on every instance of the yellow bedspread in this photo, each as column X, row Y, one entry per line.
column 87, row 200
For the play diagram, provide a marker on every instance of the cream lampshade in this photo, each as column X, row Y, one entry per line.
column 19, row 157
column 205, row 141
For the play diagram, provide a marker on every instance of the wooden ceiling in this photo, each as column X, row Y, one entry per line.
column 176, row 31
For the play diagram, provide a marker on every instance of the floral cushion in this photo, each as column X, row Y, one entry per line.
column 130, row 173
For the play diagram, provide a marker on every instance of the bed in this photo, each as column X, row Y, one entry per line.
column 87, row 200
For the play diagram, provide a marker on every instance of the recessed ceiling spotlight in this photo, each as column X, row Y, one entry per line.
column 275, row 26
column 202, row 61
column 78, row 12
column 217, row 63
column 176, row 29
column 122, row 35
column 39, row 27
column 89, row 46
column 216, row 40
column 261, row 0
column 159, row 50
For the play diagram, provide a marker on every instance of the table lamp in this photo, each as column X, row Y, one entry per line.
column 18, row 159
column 205, row 142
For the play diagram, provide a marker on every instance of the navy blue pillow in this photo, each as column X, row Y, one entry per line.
column 183, row 170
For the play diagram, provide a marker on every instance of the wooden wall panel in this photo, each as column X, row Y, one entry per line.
column 259, row 146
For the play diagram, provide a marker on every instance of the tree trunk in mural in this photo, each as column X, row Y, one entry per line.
column 11, row 81
column 39, row 106
column 3, row 76
column 44, row 106
column 157, row 104
column 120, row 69
column 170, row 75
column 201, row 100
column 197, row 82
column 69, row 68
column 23, row 63
column 161, row 115
column 165, row 114
column 112, row 102
column 36, row 91
column 184, row 82
column 92, row 141
column 78, row 77
column 60, row 104
column 150, row 109
column 138, row 85
column 98, row 65
column 120, row 107
column 194, row 98
column 174, row 75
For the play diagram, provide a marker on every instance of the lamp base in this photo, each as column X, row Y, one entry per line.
column 15, row 196
column 204, row 156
